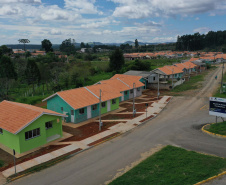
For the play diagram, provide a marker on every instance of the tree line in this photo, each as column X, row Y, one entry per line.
column 212, row 41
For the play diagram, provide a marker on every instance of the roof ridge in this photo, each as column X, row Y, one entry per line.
column 91, row 92
column 21, row 105
column 123, row 82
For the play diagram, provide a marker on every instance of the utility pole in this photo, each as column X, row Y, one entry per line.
column 222, row 76
column 14, row 159
column 172, row 77
column 133, row 101
column 100, row 123
column 189, row 72
column 158, row 87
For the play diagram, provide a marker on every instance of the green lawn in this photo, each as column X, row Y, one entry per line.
column 173, row 165
column 218, row 94
column 191, row 84
column 218, row 128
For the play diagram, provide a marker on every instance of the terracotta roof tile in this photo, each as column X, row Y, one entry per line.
column 86, row 96
column 15, row 116
column 169, row 70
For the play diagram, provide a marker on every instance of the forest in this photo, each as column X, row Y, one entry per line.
column 212, row 41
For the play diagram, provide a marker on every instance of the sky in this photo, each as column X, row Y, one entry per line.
column 108, row 21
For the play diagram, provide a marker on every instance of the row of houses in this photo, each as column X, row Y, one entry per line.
column 175, row 54
column 84, row 103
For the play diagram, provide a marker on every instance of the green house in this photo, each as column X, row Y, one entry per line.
column 83, row 103
column 25, row 127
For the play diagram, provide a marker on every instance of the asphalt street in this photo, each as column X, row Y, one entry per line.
column 178, row 124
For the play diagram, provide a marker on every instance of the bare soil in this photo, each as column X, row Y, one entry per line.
column 120, row 116
column 85, row 131
column 141, row 107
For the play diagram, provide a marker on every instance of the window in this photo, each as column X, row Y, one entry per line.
column 81, row 111
column 1, row 131
column 103, row 104
column 126, row 92
column 138, row 89
column 95, row 107
column 114, row 101
column 62, row 109
column 49, row 125
column 153, row 78
column 32, row 134
column 72, row 112
column 131, row 91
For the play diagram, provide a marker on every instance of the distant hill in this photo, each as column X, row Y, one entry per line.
column 56, row 46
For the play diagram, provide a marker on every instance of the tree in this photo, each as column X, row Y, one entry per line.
column 116, row 60
column 82, row 45
column 32, row 73
column 24, row 41
column 136, row 43
column 47, row 45
column 7, row 72
column 67, row 46
column 27, row 54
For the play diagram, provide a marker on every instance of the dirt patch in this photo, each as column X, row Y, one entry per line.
column 8, row 159
column 103, row 139
column 168, row 99
column 149, row 117
column 87, row 130
column 120, row 116
column 141, row 107
column 198, row 127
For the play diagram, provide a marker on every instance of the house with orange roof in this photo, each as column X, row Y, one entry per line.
column 25, row 127
column 168, row 72
column 129, row 85
column 84, row 103
column 187, row 67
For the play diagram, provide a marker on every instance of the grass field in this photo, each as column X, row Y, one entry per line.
column 173, row 165
column 191, row 84
column 218, row 128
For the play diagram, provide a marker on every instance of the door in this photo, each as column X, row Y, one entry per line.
column 109, row 105
column 89, row 112
column 72, row 116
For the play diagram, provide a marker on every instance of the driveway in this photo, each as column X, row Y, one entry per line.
column 179, row 124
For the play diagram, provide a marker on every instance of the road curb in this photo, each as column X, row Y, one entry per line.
column 211, row 178
column 211, row 133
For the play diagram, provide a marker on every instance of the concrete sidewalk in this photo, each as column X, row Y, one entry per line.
column 156, row 108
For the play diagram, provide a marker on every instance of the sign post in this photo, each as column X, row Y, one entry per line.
column 14, row 158
column 146, row 109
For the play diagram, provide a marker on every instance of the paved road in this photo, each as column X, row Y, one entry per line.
column 179, row 124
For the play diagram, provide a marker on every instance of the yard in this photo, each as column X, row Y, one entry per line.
column 173, row 165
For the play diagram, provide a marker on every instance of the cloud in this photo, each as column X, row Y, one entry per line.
column 197, row 18
column 82, row 6
column 149, row 24
column 202, row 30
column 136, row 9
column 55, row 32
column 8, row 10
column 21, row 1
